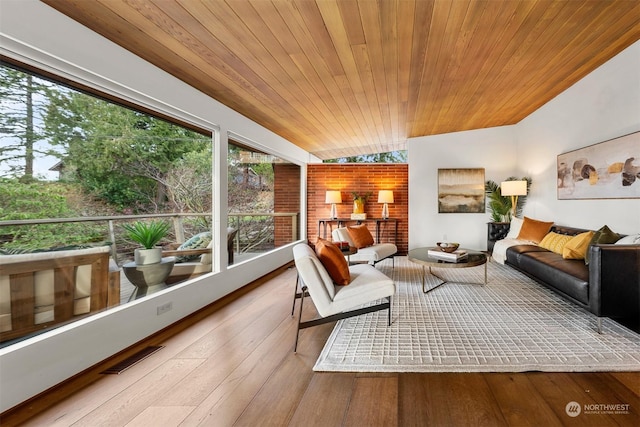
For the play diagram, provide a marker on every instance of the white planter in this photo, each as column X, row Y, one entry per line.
column 147, row 256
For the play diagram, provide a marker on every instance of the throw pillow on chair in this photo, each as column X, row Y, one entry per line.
column 333, row 261
column 360, row 235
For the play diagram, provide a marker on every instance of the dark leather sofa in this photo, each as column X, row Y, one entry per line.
column 608, row 287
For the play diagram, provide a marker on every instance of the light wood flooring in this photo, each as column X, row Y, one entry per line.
column 232, row 364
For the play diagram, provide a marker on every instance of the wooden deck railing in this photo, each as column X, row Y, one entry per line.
column 238, row 220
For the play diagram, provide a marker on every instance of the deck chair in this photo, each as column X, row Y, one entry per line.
column 339, row 302
column 186, row 270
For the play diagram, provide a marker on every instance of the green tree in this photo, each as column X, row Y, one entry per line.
column 189, row 182
column 119, row 154
column 389, row 157
column 24, row 99
column 39, row 200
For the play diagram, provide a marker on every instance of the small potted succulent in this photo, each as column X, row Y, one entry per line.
column 147, row 234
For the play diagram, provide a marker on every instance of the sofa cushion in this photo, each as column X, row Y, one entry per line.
column 333, row 261
column 633, row 239
column 360, row 235
column 189, row 269
column 514, row 253
column 534, row 230
column 208, row 257
column 570, row 277
column 375, row 253
column 554, row 242
column 366, row 283
column 603, row 236
column 576, row 248
column 199, row 241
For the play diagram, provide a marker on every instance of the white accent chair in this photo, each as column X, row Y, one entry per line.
column 371, row 254
column 338, row 302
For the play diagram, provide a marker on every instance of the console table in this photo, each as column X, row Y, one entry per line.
column 381, row 225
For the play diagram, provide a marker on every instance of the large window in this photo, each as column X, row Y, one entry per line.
column 264, row 201
column 66, row 154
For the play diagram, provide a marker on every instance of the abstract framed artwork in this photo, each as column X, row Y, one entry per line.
column 606, row 170
column 461, row 190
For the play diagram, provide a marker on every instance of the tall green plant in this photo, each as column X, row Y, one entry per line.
column 25, row 99
column 500, row 206
column 147, row 234
column 43, row 200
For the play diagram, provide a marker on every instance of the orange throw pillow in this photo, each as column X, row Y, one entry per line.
column 534, row 230
column 360, row 235
column 333, row 261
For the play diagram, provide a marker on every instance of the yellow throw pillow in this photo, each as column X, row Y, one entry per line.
column 555, row 242
column 577, row 247
column 534, row 230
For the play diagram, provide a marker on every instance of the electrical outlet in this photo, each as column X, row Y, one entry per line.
column 162, row 309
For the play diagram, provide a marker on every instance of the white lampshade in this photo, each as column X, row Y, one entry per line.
column 513, row 188
column 385, row 196
column 333, row 197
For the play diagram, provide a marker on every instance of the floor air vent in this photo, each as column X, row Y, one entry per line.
column 118, row 368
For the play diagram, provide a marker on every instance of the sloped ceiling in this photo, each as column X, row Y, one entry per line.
column 348, row 77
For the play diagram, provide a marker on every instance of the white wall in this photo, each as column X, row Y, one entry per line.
column 55, row 43
column 603, row 105
column 493, row 149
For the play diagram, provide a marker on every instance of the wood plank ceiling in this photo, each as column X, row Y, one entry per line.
column 348, row 77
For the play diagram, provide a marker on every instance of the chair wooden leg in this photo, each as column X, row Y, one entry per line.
column 389, row 321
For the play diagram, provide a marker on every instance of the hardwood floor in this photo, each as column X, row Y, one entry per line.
column 232, row 364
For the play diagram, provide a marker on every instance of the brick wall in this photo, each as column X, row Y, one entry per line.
column 286, row 199
column 360, row 178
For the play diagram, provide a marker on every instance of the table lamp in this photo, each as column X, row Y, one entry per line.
column 333, row 197
column 386, row 197
column 513, row 189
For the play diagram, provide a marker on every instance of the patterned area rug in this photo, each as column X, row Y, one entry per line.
column 510, row 325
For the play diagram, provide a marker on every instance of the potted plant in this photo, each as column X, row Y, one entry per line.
column 500, row 206
column 147, row 234
column 359, row 200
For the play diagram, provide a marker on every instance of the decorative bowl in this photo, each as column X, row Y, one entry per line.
column 447, row 246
